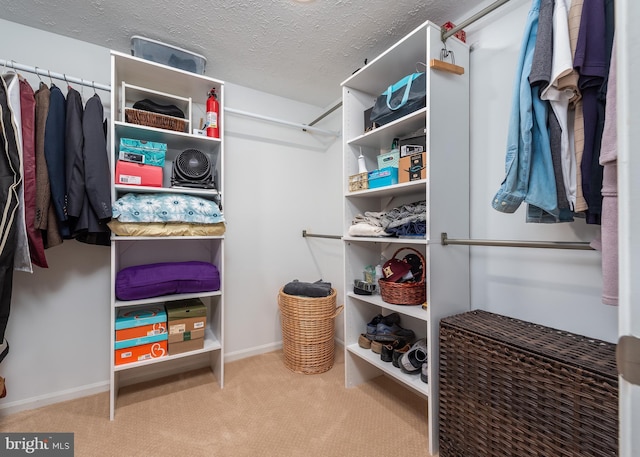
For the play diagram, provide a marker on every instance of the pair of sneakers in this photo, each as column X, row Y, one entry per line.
column 387, row 329
column 413, row 360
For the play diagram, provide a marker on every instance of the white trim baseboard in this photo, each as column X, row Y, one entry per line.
column 54, row 397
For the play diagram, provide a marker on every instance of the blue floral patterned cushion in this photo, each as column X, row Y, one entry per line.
column 134, row 207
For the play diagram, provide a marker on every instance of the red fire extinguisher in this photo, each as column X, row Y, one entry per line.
column 213, row 114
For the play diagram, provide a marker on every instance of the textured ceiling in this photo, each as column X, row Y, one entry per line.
column 299, row 50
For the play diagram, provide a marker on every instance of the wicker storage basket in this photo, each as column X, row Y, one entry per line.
column 405, row 293
column 150, row 119
column 308, row 331
column 359, row 182
column 510, row 388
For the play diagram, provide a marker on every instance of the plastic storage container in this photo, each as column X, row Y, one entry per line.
column 166, row 54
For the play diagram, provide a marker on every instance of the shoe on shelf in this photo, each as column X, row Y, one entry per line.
column 397, row 353
column 364, row 342
column 392, row 332
column 386, row 355
column 412, row 360
column 388, row 320
column 424, row 372
column 376, row 346
column 373, row 324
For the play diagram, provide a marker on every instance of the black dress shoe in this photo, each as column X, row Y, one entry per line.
column 386, row 354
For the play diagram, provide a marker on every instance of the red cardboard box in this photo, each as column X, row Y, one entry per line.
column 460, row 34
column 136, row 174
column 141, row 331
column 140, row 353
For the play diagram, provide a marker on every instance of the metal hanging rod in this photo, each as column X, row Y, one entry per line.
column 447, row 33
column 53, row 75
column 305, row 234
column 303, row 127
column 326, row 113
column 580, row 246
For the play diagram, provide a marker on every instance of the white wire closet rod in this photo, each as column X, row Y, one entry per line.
column 303, row 127
column 10, row 64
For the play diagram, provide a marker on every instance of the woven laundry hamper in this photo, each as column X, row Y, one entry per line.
column 308, row 331
column 511, row 388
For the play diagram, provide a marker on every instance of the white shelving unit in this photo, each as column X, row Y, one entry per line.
column 132, row 79
column 445, row 122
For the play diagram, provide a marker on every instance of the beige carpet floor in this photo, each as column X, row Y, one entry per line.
column 264, row 409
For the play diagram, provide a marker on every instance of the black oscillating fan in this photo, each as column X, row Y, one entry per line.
column 192, row 168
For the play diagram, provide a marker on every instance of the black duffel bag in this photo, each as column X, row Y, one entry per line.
column 407, row 95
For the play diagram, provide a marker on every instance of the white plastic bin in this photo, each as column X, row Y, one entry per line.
column 166, row 54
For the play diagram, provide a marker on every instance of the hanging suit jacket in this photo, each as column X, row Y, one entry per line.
column 91, row 226
column 54, row 152
column 45, row 217
column 74, row 163
column 28, row 108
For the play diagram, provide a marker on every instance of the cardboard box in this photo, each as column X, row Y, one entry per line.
column 140, row 353
column 143, row 152
column 414, row 141
column 189, row 335
column 139, row 316
column 186, row 316
column 135, row 174
column 383, row 177
column 141, row 331
column 186, row 346
column 390, row 159
column 140, row 341
column 412, row 168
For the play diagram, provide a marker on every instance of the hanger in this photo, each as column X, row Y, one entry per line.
column 38, row 75
column 64, row 75
column 446, row 66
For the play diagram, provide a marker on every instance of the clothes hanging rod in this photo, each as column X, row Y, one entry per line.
column 445, row 241
column 306, row 234
column 303, row 127
column 326, row 113
column 53, row 75
column 447, row 33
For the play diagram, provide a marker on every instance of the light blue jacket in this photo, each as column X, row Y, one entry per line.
column 529, row 168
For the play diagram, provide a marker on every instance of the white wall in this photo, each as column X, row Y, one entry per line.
column 279, row 181
column 557, row 288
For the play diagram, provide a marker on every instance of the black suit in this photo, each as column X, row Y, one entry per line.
column 96, row 211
